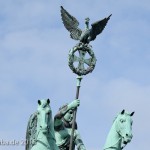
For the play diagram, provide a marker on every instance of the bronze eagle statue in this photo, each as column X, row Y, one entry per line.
column 87, row 35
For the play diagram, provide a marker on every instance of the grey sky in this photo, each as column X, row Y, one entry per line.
column 34, row 48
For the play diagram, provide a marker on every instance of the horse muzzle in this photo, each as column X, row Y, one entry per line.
column 127, row 138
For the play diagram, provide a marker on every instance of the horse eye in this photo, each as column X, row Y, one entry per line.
column 70, row 112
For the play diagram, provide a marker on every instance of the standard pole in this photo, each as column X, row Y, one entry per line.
column 79, row 78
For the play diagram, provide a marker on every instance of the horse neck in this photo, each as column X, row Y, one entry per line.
column 113, row 141
column 42, row 138
column 48, row 139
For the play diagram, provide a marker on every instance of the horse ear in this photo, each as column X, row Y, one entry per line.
column 122, row 111
column 48, row 101
column 132, row 113
column 39, row 102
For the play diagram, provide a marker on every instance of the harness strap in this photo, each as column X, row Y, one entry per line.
column 43, row 144
column 122, row 137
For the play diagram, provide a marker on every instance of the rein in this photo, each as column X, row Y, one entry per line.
column 123, row 146
column 36, row 140
column 43, row 144
column 122, row 138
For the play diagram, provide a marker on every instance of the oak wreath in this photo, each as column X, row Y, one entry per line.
column 90, row 62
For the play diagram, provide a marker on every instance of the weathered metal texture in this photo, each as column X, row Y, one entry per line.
column 87, row 35
column 63, row 121
column 40, row 130
column 120, row 133
column 85, row 64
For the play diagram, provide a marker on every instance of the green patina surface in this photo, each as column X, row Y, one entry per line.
column 120, row 133
column 44, row 133
column 40, row 130
column 63, row 127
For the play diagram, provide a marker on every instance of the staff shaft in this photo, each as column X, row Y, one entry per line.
column 79, row 78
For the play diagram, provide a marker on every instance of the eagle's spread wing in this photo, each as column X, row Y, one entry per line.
column 31, row 131
column 98, row 27
column 71, row 24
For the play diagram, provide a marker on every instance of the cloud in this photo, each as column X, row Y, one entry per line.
column 34, row 48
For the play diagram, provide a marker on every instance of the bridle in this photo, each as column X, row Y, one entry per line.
column 40, row 130
column 120, row 138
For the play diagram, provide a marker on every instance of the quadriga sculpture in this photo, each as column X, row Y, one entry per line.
column 121, row 132
column 40, row 130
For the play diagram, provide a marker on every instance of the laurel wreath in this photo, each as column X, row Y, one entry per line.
column 91, row 65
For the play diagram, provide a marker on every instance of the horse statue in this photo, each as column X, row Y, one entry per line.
column 40, row 130
column 121, row 132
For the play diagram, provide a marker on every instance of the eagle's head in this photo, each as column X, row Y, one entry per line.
column 87, row 23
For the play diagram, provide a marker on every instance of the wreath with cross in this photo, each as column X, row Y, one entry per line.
column 82, row 59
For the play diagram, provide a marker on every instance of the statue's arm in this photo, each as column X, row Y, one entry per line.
column 78, row 141
column 58, row 117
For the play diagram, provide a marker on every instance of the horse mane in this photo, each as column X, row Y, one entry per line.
column 31, row 131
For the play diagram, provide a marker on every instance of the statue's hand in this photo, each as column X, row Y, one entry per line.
column 74, row 104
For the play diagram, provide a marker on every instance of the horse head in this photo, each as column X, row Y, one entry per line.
column 124, row 126
column 44, row 115
column 40, row 129
column 120, row 133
